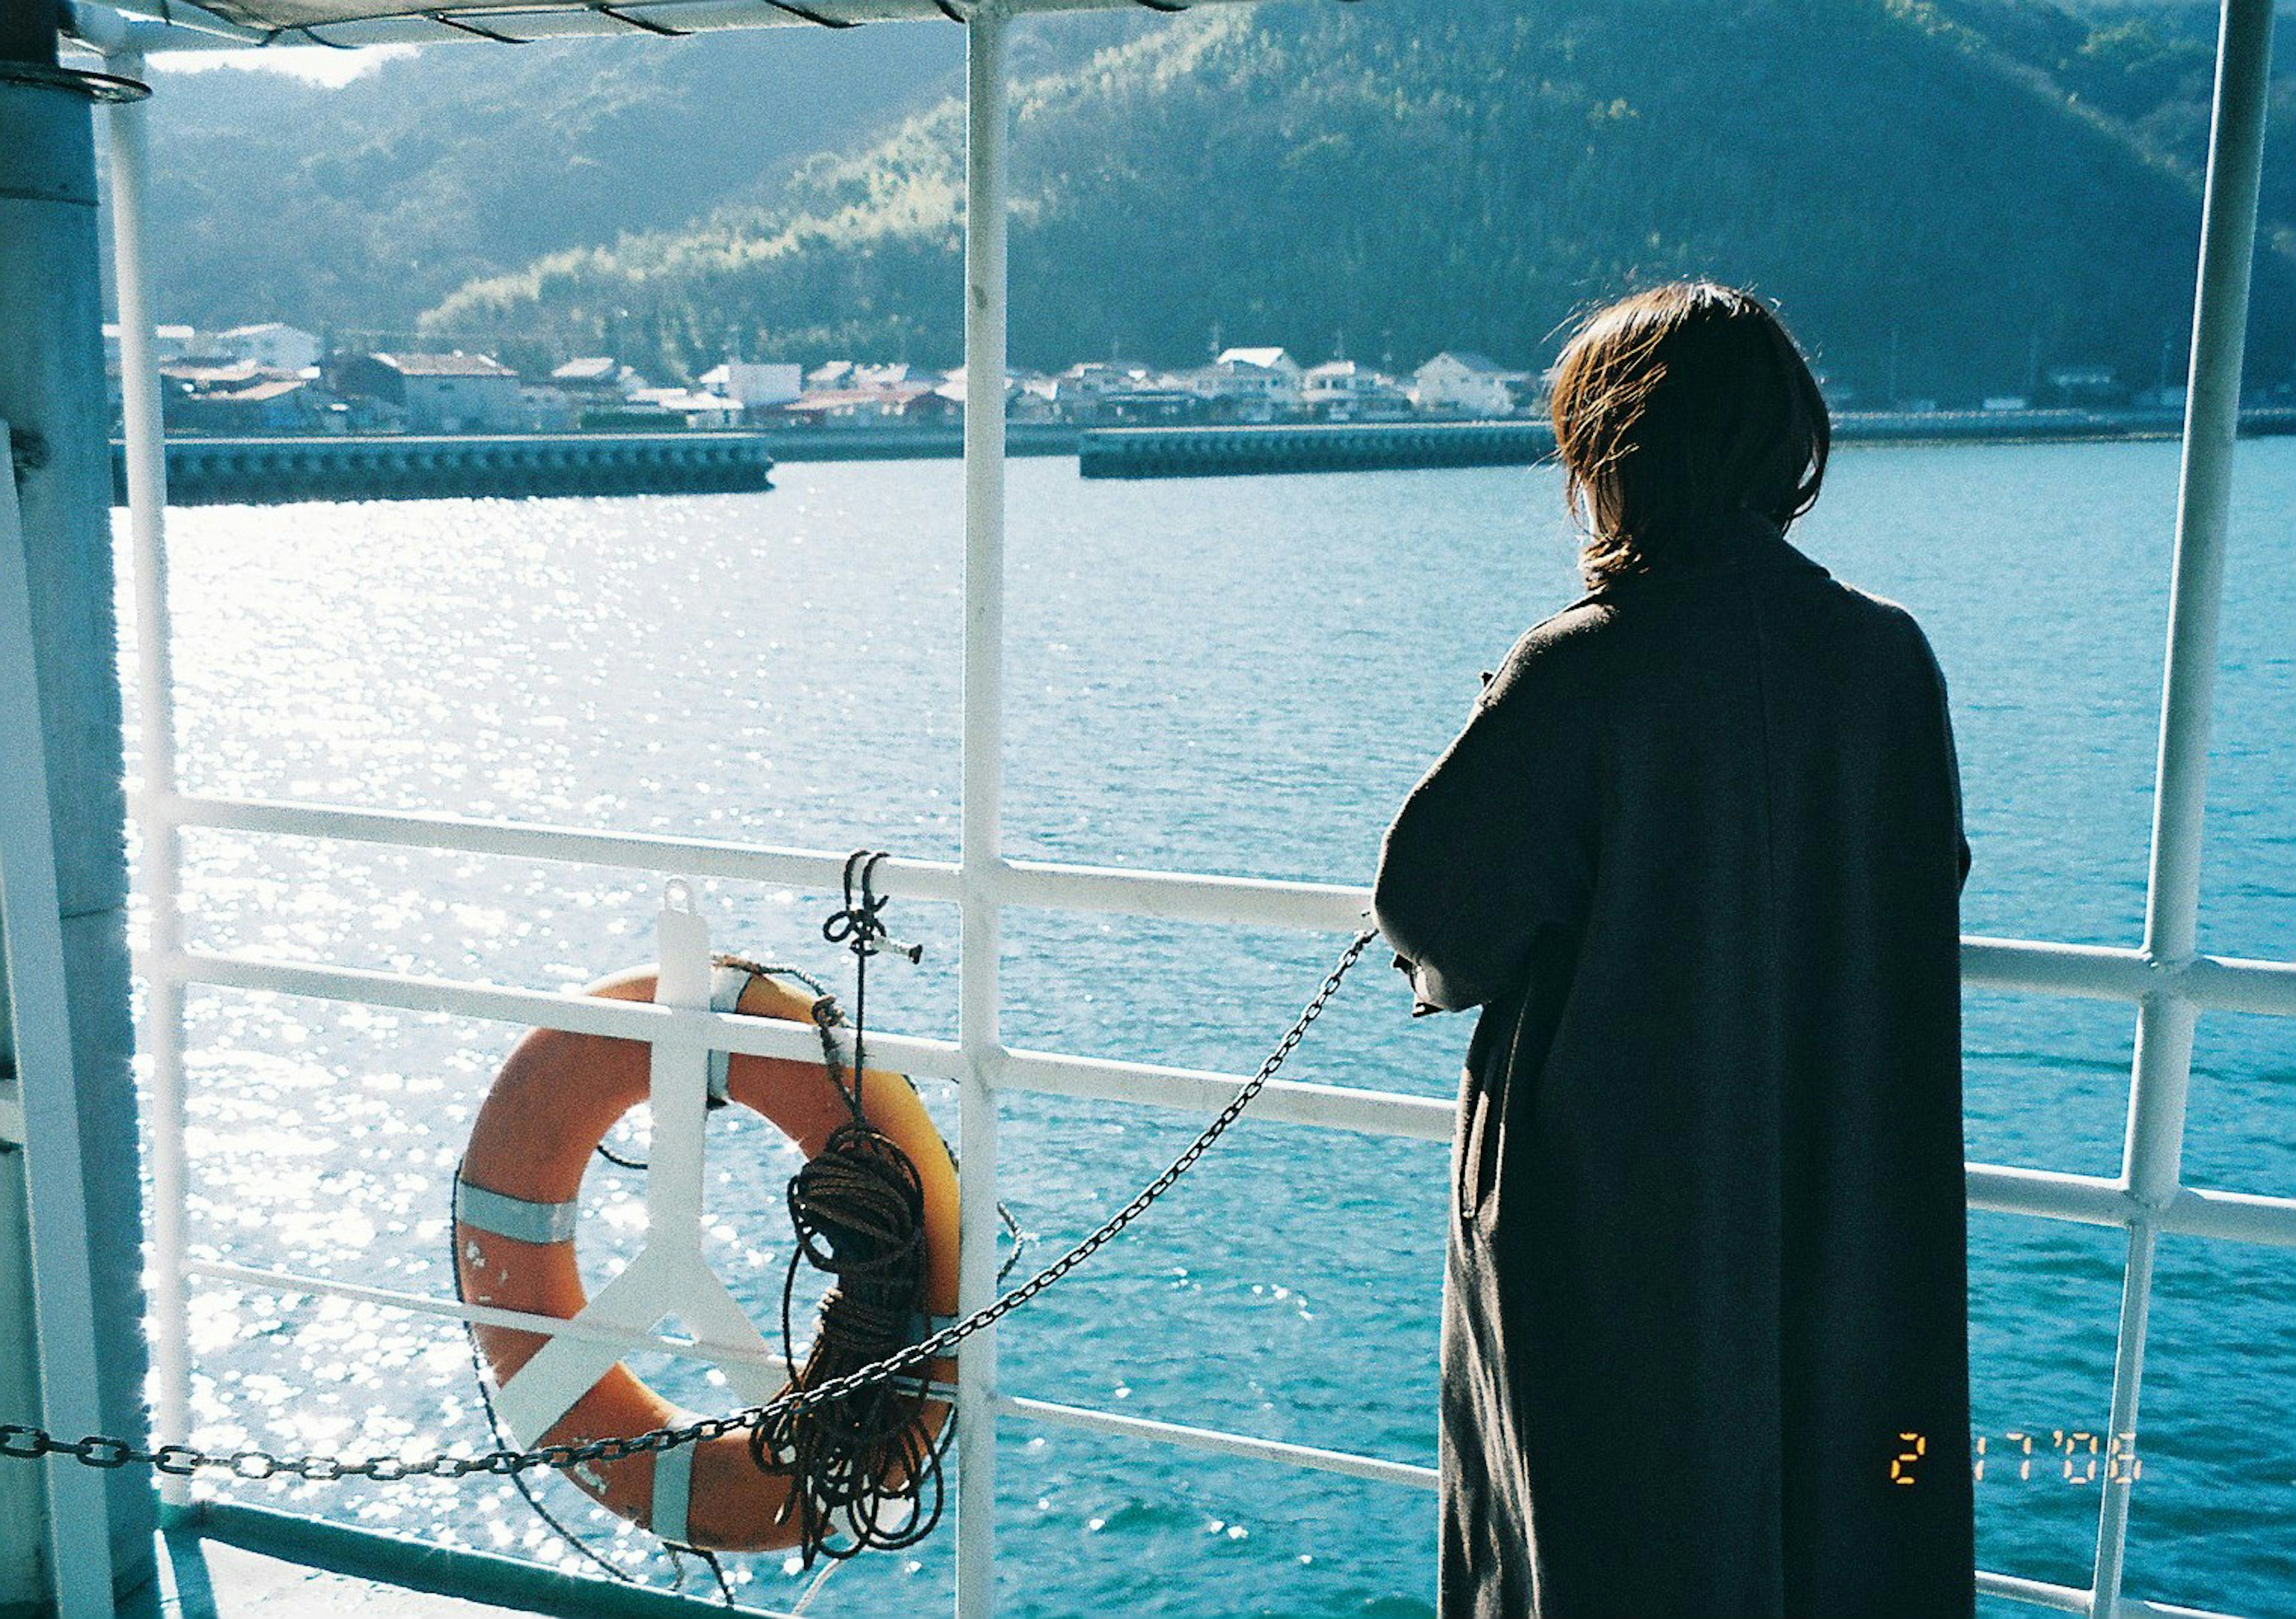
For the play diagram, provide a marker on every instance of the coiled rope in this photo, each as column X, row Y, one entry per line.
column 859, row 1208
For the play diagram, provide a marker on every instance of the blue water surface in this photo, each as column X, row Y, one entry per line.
column 1228, row 675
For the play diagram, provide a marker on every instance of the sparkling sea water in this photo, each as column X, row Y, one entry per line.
column 1218, row 675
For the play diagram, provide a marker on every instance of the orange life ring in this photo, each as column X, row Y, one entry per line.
column 515, row 1200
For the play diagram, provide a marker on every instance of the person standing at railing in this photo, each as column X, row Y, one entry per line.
column 1698, row 857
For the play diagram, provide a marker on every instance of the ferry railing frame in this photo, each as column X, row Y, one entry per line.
column 42, row 1101
column 2165, row 979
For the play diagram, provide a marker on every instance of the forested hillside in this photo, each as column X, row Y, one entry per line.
column 1980, row 186
column 362, row 205
column 1955, row 191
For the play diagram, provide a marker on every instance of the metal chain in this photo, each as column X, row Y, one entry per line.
column 22, row 1441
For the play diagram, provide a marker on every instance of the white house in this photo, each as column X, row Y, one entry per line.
column 908, row 403
column 598, row 378
column 167, row 343
column 547, row 408
column 273, row 345
column 1459, row 383
column 1080, row 393
column 833, row 374
column 440, row 393
column 1344, row 390
column 1029, row 394
column 1250, row 384
column 754, row 385
column 696, row 408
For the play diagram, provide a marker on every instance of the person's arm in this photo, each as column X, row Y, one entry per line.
column 1498, row 837
column 1959, row 826
column 1952, row 756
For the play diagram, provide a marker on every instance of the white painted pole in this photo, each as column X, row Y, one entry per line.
column 679, row 1090
column 64, row 1296
column 159, row 1034
column 2154, row 1149
column 52, row 393
column 981, row 844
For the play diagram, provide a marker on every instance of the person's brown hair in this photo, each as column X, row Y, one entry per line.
column 1673, row 408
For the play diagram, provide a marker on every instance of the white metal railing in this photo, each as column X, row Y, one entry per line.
column 35, row 1007
column 2167, row 982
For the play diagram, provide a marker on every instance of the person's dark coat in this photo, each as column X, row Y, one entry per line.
column 1698, row 856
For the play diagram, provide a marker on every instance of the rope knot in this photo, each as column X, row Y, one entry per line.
column 856, row 925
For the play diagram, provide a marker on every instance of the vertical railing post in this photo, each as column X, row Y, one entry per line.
column 159, row 1034
column 981, row 837
column 55, row 1185
column 52, row 391
column 2153, row 1149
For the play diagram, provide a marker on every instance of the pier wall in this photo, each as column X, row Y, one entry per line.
column 918, row 444
column 1211, row 452
column 211, row 471
column 1205, row 452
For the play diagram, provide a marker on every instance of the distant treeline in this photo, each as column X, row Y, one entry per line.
column 1950, row 198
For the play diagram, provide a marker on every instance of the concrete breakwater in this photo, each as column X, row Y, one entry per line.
column 1209, row 452
column 916, row 443
column 212, row 471
column 1203, row 451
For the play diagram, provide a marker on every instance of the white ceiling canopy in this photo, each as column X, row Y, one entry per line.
column 352, row 23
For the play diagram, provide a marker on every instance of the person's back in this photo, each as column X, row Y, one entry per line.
column 1698, row 856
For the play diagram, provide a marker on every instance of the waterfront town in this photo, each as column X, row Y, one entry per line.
column 273, row 379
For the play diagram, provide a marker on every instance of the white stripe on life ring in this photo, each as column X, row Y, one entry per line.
column 673, row 1493
column 516, row 1218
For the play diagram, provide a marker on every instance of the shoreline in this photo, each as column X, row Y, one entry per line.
column 1210, row 452
column 206, row 470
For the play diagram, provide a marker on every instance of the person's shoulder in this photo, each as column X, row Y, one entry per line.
column 1557, row 650
column 1885, row 613
column 1890, row 624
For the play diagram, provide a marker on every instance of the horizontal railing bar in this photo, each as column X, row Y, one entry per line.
column 2138, row 1608
column 920, row 1058
column 2051, row 1194
column 2088, row 971
column 1176, row 896
column 2231, row 1216
column 1220, row 1442
column 926, row 880
column 2227, row 984
column 2070, row 1599
column 2086, row 1199
column 487, row 1315
column 2037, row 1593
column 2105, row 972
column 1194, row 1091
column 2095, row 1200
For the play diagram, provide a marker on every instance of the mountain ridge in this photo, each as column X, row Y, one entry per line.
column 1470, row 178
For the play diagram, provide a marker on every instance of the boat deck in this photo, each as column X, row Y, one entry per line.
column 220, row 1560
column 202, row 1578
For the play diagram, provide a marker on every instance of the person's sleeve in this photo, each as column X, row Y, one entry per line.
column 1497, row 839
column 1960, row 830
column 1952, row 755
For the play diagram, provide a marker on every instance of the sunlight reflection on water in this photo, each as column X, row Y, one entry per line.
column 1230, row 676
